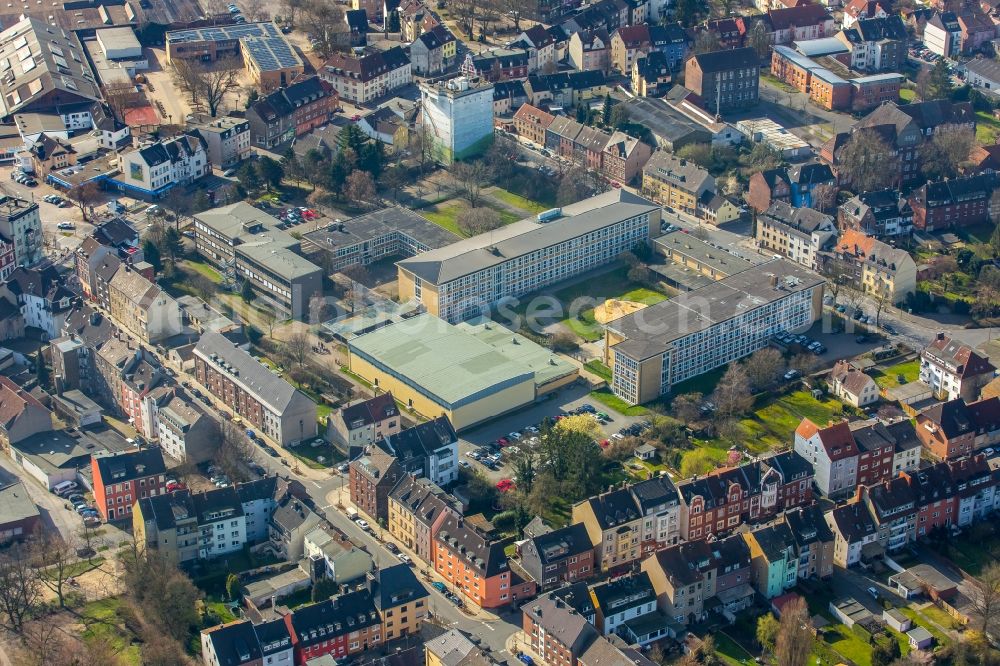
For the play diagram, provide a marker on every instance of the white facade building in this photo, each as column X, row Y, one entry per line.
column 458, row 114
column 149, row 172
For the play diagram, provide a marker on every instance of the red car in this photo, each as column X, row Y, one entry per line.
column 605, row 443
column 175, row 485
column 503, row 441
column 504, row 485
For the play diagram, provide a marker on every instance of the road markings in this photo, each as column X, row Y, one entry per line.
column 316, row 483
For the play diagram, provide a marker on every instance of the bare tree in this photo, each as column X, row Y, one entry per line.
column 84, row 196
column 794, row 641
column 881, row 298
column 298, row 346
column 759, row 39
column 206, row 87
column 947, row 150
column 233, row 451
column 55, row 559
column 687, row 407
column 470, row 178
column 705, row 42
column 117, row 95
column 804, row 363
column 20, row 589
column 764, row 367
column 422, row 145
column 732, row 394
column 868, row 162
column 986, row 599
column 474, row 221
column 360, row 187
column 326, row 22
column 824, row 196
column 923, row 84
column 255, row 10
column 290, row 10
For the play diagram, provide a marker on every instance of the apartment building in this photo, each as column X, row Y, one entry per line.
column 186, row 433
column 877, row 44
column 150, row 171
column 675, row 182
column 813, row 541
column 954, row 202
column 242, row 643
column 870, row 265
column 290, row 112
column 567, row 89
column 718, row 503
column 433, row 51
column 123, row 479
column 451, row 647
column 531, row 122
column 21, row 230
column 651, row 75
column 689, row 578
column 800, row 23
column 541, row 46
column 799, row 234
column 417, row 509
column 183, row 526
column 366, row 421
column 943, row 34
column 141, row 308
column 626, row 607
column 880, row 214
column 627, row 523
column 589, row 50
column 265, row 401
column 428, row 449
column 557, row 632
column 344, row 625
column 725, row 80
column 41, row 297
column 246, row 244
column 667, row 343
column 834, row 455
column 953, row 369
column 227, row 140
column 458, row 113
column 774, row 562
column 473, row 563
column 401, row 600
column 954, row 429
column 560, row 557
column 467, row 278
column 364, row 78
column 372, row 476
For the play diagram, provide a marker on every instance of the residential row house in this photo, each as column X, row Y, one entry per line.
column 149, row 171
column 121, row 480
column 276, row 119
column 850, row 384
column 796, row 24
column 954, row 429
column 631, row 42
column 651, row 75
column 676, row 182
column 953, row 369
column 796, row 546
column 364, row 78
column 625, row 524
column 876, row 44
column 560, row 557
column 717, row 503
column 433, row 51
column 559, row 625
column 844, row 455
column 871, row 266
column 626, row 607
column 881, row 214
column 497, row 64
column 955, row 202
column 41, row 297
column 799, row 234
column 141, row 308
column 417, row 509
column 617, row 156
column 567, row 89
column 801, row 185
column 366, row 421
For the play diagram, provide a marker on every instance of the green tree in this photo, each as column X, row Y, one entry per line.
column 524, row 468
column 581, row 114
column 248, row 177
column 939, row 85
column 173, row 245
column 885, row 652
column 393, row 22
column 270, row 172
column 352, row 137
column 151, row 253
column 606, row 111
column 323, row 589
column 767, row 631
column 232, row 586
column 41, row 371
column 687, row 12
column 619, row 116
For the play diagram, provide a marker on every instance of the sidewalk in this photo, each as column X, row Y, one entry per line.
column 518, row 643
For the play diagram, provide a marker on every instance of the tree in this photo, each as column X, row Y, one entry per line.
column 173, row 245
column 759, row 39
column 824, row 197
column 232, row 451
column 619, row 116
column 393, row 24
column 270, row 172
column 232, row 586
column 705, row 42
column 868, row 162
column 323, row 589
column 360, row 187
column 794, row 641
column 687, row 12
column 117, row 95
column 687, row 407
column 985, row 607
column 246, row 291
column 885, row 652
column 606, row 110
column 474, row 221
column 732, row 395
column 524, row 468
column 767, row 632
column 248, row 177
column 206, row 87
column 804, row 363
column 470, row 178
column 84, row 196
column 563, row 342
column 939, row 85
column 55, row 559
column 298, row 345
column 41, row 370
column 699, row 153
column 950, row 146
column 394, row 179
column 763, row 368
column 422, row 145
column 20, row 589
column 923, row 84
column 151, row 253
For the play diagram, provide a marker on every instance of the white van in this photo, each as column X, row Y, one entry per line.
column 64, row 487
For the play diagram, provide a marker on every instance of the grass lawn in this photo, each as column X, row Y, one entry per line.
column 101, row 622
column 848, row 644
column 778, row 83
column 889, row 378
column 977, row 233
column 907, row 95
column 445, row 215
column 704, row 383
column 921, row 620
column 310, row 455
column 973, row 550
column 517, row 201
column 611, row 285
column 204, row 269
column 731, row 651
column 76, row 568
column 219, row 609
column 599, row 369
column 609, row 399
column 987, row 128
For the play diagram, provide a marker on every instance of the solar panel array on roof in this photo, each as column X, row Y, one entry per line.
column 271, row 53
column 224, row 33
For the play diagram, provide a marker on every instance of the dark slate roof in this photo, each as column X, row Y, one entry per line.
column 854, row 521
column 655, row 492
column 791, row 465
column 357, row 19
column 671, row 33
column 214, row 501
column 891, row 498
column 808, row 525
column 258, row 489
column 284, row 101
column 235, row 643
column 367, row 412
column 343, row 614
column 116, row 232
column 561, row 623
column 629, row 591
column 562, row 543
column 811, row 173
column 614, row 508
column 273, row 636
column 952, row 417
column 395, row 586
column 481, row 551
column 129, row 465
column 722, row 61
column 876, row 29
column 774, row 540
column 421, row 440
column 165, row 510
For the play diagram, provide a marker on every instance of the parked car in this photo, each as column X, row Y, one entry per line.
column 503, row 485
column 391, row 547
column 270, row 450
column 792, row 374
column 362, row 523
column 343, row 467
column 404, row 558
column 514, row 436
column 438, row 585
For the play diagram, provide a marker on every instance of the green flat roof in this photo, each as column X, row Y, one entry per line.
column 546, row 365
column 449, row 365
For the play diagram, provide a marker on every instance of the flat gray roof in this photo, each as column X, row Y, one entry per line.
column 232, row 220
column 687, row 245
column 15, row 503
column 650, row 331
column 274, row 256
column 520, row 238
column 381, row 223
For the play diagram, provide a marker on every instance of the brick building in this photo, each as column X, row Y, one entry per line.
column 123, row 479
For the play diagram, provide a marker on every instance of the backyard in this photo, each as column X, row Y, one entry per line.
column 889, row 378
column 987, row 128
column 613, row 284
column 101, row 621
